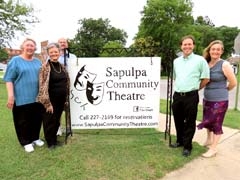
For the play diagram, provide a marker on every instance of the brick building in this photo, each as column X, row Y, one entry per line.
column 14, row 52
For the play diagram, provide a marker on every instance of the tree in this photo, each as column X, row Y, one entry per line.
column 204, row 21
column 204, row 34
column 93, row 35
column 228, row 35
column 166, row 21
column 14, row 18
column 3, row 55
column 146, row 47
column 113, row 49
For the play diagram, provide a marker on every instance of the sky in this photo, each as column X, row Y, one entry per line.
column 60, row 18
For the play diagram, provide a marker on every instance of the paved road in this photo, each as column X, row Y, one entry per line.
column 232, row 95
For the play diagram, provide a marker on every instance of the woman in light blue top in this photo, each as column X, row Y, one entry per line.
column 21, row 79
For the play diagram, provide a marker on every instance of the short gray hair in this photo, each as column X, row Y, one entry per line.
column 51, row 45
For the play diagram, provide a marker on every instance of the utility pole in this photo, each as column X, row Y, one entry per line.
column 237, row 52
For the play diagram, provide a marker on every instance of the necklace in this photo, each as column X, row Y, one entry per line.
column 57, row 71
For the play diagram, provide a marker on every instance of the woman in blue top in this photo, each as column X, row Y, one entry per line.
column 21, row 79
column 215, row 101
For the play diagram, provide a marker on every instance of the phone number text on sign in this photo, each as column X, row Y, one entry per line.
column 97, row 117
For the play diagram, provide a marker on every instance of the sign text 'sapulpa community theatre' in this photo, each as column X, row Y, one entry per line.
column 119, row 92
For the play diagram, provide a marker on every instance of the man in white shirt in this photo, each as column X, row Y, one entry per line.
column 63, row 43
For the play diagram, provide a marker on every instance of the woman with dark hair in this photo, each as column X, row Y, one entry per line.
column 215, row 101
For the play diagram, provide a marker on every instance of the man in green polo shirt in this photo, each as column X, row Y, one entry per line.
column 191, row 73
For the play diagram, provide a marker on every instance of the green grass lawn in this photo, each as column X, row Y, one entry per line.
column 112, row 154
column 1, row 74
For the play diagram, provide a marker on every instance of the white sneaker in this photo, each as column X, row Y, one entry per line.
column 59, row 132
column 29, row 148
column 38, row 142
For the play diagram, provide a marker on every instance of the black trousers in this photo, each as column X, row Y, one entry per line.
column 27, row 121
column 185, row 107
column 51, row 121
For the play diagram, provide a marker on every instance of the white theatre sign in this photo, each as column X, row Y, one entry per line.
column 110, row 93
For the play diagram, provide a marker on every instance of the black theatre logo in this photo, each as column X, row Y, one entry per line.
column 85, row 81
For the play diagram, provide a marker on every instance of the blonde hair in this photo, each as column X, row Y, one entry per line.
column 206, row 53
column 28, row 39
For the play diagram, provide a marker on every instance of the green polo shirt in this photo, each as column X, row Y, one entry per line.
column 189, row 71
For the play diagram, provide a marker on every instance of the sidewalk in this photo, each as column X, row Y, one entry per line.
column 224, row 166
